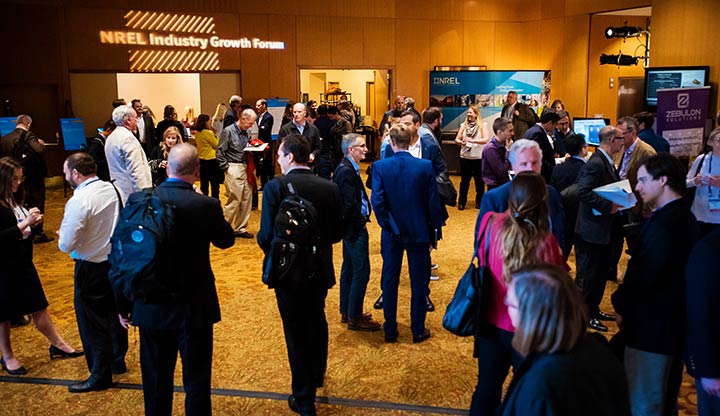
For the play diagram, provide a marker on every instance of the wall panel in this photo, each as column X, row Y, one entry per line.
column 347, row 45
column 379, row 41
column 255, row 62
column 446, row 42
column 413, row 60
column 314, row 40
column 283, row 72
column 479, row 43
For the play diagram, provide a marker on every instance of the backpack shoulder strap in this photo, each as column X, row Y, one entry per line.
column 700, row 165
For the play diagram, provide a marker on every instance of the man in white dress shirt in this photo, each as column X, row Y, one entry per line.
column 126, row 159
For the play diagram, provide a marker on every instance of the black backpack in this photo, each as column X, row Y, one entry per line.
column 31, row 161
column 294, row 248
column 144, row 226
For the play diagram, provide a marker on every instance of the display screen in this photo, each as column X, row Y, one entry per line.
column 672, row 77
column 590, row 128
column 7, row 125
column 73, row 133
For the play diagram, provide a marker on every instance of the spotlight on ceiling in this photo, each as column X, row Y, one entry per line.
column 619, row 60
column 623, row 32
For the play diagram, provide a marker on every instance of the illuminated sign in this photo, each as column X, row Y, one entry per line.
column 195, row 34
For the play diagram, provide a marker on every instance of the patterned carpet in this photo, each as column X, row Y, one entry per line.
column 250, row 356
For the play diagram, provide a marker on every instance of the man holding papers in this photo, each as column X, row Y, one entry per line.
column 597, row 227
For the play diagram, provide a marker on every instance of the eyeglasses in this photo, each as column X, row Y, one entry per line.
column 618, row 138
column 626, row 132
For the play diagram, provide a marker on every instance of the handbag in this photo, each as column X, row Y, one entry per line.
column 446, row 189
column 470, row 295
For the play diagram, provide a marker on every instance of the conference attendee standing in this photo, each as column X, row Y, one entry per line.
column 96, row 149
column 645, row 122
column 184, row 321
column 704, row 175
column 598, row 226
column 471, row 141
column 521, row 115
column 169, row 119
column 145, row 127
column 207, row 142
column 519, row 237
column 88, row 223
column 703, row 320
column 407, row 207
column 634, row 152
column 265, row 122
column 495, row 164
column 355, row 271
column 126, row 159
column 542, row 134
column 299, row 125
column 650, row 303
column 301, row 297
column 232, row 115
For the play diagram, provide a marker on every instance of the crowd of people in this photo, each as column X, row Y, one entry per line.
column 534, row 190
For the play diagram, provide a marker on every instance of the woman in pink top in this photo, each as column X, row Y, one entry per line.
column 519, row 237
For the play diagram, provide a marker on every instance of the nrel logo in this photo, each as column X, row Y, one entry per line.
column 683, row 100
column 446, row 81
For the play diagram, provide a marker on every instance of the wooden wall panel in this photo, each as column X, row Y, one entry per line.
column 379, row 41
column 413, row 61
column 515, row 48
column 570, row 71
column 284, row 75
column 575, row 7
column 446, row 42
column 83, row 47
column 347, row 45
column 314, row 41
column 256, row 62
column 479, row 43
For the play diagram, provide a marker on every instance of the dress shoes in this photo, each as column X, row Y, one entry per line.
column 392, row 337
column 602, row 316
column 295, row 407
column 20, row 371
column 42, row 238
column 421, row 337
column 597, row 325
column 461, row 207
column 118, row 369
column 344, row 317
column 363, row 324
column 434, row 266
column 244, row 234
column 378, row 303
column 430, row 305
column 21, row 320
column 89, row 385
column 56, row 352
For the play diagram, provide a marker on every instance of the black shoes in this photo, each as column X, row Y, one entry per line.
column 56, row 352
column 21, row 320
column 118, row 369
column 392, row 337
column 20, row 371
column 430, row 305
column 461, row 207
column 244, row 234
column 42, row 238
column 378, row 303
column 295, row 407
column 597, row 325
column 88, row 385
column 422, row 337
column 602, row 316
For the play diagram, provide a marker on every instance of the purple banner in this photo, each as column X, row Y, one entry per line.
column 681, row 114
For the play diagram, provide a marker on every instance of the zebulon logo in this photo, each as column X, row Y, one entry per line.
column 683, row 100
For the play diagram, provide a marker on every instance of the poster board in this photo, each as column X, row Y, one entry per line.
column 73, row 134
column 276, row 107
column 681, row 114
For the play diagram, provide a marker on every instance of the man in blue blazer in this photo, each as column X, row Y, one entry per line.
column 524, row 155
column 421, row 147
column 407, row 207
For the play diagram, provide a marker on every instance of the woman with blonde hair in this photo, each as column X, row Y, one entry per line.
column 518, row 237
column 561, row 359
column 705, row 178
column 159, row 155
column 217, row 118
column 21, row 292
column 471, row 137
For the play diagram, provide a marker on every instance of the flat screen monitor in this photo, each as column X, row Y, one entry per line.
column 73, row 133
column 590, row 128
column 7, row 125
column 672, row 77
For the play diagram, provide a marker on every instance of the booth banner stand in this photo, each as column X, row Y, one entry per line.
column 681, row 114
column 276, row 107
column 454, row 91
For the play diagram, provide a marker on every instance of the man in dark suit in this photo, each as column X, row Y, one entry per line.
column 301, row 298
column 650, row 303
column 265, row 122
column 542, row 134
column 564, row 176
column 407, row 207
column 232, row 115
column 145, row 131
column 598, row 225
column 96, row 149
column 524, row 155
column 420, row 147
column 355, row 271
column 185, row 322
column 522, row 115
column 299, row 125
column 703, row 319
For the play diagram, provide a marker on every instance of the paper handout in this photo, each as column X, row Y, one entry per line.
column 251, row 148
column 618, row 193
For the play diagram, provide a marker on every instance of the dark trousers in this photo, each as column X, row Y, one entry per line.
column 211, row 177
column 354, row 275
column 324, row 165
column 594, row 267
column 495, row 354
column 471, row 169
column 267, row 165
column 158, row 355
column 35, row 197
column 95, row 312
column 707, row 227
column 418, row 255
column 302, row 309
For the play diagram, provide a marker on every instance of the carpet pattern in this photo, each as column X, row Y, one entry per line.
column 249, row 349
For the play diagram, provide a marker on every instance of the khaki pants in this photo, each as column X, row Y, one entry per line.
column 239, row 203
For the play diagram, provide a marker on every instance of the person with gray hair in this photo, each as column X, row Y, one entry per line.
column 355, row 272
column 233, row 113
column 125, row 156
column 524, row 155
column 27, row 148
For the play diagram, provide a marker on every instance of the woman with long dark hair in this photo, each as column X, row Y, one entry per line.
column 519, row 237
column 21, row 292
column 207, row 142
column 169, row 119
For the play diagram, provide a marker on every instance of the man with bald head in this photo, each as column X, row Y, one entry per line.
column 233, row 160
column 392, row 114
column 185, row 322
column 299, row 125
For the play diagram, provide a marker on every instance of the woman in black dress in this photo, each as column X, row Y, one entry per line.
column 21, row 292
column 169, row 119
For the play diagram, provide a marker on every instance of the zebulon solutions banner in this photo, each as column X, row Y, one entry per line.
column 681, row 114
